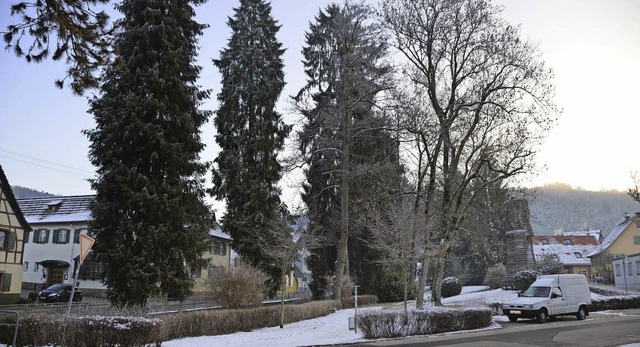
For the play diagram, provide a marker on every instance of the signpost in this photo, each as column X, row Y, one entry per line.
column 86, row 242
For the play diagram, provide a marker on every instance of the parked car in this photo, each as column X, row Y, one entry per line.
column 59, row 292
column 550, row 296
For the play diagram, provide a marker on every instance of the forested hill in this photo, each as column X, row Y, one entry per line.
column 562, row 207
column 22, row 192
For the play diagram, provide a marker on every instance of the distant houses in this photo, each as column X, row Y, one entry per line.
column 571, row 250
column 13, row 230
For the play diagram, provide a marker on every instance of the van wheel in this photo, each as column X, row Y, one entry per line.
column 512, row 318
column 582, row 313
column 542, row 315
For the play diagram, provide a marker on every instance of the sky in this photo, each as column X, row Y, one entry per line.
column 593, row 46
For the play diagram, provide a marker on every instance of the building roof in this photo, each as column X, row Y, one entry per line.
column 57, row 209
column 564, row 240
column 613, row 235
column 8, row 192
column 217, row 232
column 572, row 250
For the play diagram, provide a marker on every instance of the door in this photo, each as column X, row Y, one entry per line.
column 557, row 302
column 56, row 275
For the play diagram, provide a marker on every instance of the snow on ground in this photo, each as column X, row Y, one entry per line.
column 333, row 328
column 327, row 330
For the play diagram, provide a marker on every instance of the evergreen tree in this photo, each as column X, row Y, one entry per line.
column 83, row 37
column 150, row 219
column 343, row 138
column 250, row 131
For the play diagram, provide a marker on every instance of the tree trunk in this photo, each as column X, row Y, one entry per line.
column 342, row 265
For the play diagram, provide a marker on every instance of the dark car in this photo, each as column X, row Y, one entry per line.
column 59, row 293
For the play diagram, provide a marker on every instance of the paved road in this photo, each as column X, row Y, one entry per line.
column 598, row 330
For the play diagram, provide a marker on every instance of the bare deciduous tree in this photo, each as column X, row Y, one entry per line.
column 634, row 191
column 488, row 96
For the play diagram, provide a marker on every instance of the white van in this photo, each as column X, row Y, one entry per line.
column 550, row 296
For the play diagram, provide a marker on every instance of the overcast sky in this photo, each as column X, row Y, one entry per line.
column 593, row 47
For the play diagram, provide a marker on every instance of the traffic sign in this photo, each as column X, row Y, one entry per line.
column 85, row 245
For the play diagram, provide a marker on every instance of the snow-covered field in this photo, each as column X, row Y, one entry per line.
column 333, row 328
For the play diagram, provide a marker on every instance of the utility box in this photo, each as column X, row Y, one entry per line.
column 352, row 323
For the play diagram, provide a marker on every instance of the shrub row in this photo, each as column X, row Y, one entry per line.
column 81, row 331
column 608, row 291
column 395, row 324
column 218, row 322
column 615, row 303
column 363, row 300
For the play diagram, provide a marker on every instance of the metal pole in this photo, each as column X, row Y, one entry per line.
column 355, row 315
column 73, row 288
column 624, row 274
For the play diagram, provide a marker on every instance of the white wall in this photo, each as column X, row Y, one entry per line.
column 627, row 270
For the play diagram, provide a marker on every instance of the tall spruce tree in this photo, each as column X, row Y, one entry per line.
column 251, row 132
column 343, row 138
column 150, row 219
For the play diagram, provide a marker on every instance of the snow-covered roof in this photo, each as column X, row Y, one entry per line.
column 564, row 240
column 57, row 209
column 568, row 254
column 613, row 235
column 217, row 232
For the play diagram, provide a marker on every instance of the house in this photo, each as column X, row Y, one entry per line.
column 627, row 272
column 572, row 251
column 595, row 233
column 13, row 228
column 298, row 279
column 624, row 239
column 52, row 249
column 218, row 257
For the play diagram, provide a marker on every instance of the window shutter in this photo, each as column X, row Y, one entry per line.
column 6, row 282
column 76, row 236
column 56, row 236
column 36, row 235
column 26, row 236
column 46, row 238
column 10, row 240
column 67, row 236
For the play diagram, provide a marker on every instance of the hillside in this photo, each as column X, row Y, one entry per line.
column 562, row 207
column 22, row 192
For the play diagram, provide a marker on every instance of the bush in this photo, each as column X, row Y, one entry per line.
column 615, row 303
column 450, row 286
column 523, row 279
column 363, row 300
column 218, row 322
column 62, row 330
column 495, row 275
column 242, row 287
column 391, row 288
column 550, row 264
column 382, row 324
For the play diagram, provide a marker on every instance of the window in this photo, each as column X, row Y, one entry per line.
column 545, row 241
column 617, row 270
column 36, row 267
column 636, row 239
column 567, row 242
column 578, row 255
column 5, row 282
column 90, row 269
column 25, row 266
column 214, row 271
column 61, row 236
column 557, row 292
column 217, row 247
column 584, row 272
column 7, row 240
column 638, row 267
column 629, row 269
column 196, row 272
column 41, row 236
column 76, row 236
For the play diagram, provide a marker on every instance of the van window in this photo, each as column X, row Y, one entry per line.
column 557, row 292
